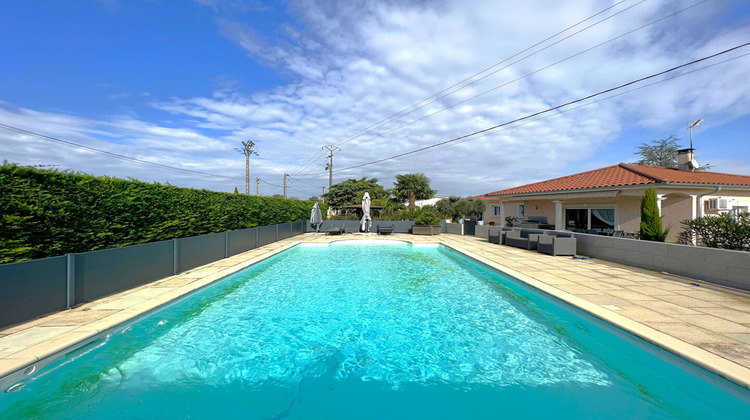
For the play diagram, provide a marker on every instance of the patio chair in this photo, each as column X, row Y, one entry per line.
column 385, row 230
column 494, row 237
column 559, row 244
column 335, row 230
column 618, row 234
column 592, row 231
column 351, row 230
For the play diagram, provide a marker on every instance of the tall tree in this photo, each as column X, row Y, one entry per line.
column 659, row 153
column 651, row 219
column 351, row 191
column 412, row 187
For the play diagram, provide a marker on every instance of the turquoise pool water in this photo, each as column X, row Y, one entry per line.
column 361, row 331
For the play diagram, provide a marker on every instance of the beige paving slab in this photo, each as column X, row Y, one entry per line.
column 646, row 315
column 33, row 335
column 687, row 332
column 735, row 351
column 577, row 289
column 745, row 338
column 630, row 295
column 604, row 300
column 131, row 299
column 668, row 308
column 689, row 302
column 7, row 351
column 709, row 296
column 602, row 285
column 617, row 281
column 716, row 324
column 650, row 290
column 76, row 317
column 734, row 315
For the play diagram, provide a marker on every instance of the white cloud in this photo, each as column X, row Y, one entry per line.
column 353, row 63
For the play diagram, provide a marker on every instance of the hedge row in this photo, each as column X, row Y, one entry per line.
column 47, row 213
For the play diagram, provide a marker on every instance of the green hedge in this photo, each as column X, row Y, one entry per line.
column 47, row 213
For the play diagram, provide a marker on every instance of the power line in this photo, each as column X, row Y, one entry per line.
column 110, row 154
column 453, row 140
column 560, row 112
column 531, row 73
column 297, row 179
column 417, row 105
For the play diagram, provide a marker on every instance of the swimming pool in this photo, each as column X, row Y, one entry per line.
column 344, row 331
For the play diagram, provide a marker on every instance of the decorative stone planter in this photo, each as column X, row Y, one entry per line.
column 425, row 229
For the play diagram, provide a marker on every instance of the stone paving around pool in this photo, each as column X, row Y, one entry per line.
column 708, row 326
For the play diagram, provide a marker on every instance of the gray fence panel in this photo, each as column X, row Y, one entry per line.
column 29, row 289
column 469, row 227
column 454, row 228
column 242, row 240
column 266, row 235
column 101, row 273
column 285, row 230
column 298, row 227
column 196, row 251
column 719, row 266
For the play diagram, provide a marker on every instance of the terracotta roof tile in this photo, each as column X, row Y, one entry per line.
column 625, row 174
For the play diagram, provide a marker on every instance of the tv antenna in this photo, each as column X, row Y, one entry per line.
column 695, row 123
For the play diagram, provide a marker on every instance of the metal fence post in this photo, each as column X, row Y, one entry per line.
column 176, row 261
column 226, row 244
column 70, row 300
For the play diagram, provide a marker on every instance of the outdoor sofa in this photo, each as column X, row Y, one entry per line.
column 524, row 238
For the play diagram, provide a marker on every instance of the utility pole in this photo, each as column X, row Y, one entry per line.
column 329, row 165
column 247, row 150
column 257, row 186
column 285, row 175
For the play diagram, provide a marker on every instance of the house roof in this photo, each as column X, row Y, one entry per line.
column 624, row 174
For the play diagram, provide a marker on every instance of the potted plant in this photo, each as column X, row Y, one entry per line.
column 427, row 222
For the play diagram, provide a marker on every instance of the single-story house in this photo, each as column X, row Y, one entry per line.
column 609, row 198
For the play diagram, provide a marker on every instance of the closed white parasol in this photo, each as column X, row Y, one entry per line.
column 316, row 217
column 366, row 220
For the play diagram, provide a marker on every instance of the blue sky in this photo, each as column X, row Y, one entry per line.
column 182, row 83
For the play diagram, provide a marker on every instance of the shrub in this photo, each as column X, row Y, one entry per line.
column 45, row 213
column 723, row 231
column 428, row 216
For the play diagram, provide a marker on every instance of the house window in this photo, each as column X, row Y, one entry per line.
column 599, row 218
column 521, row 211
column 496, row 211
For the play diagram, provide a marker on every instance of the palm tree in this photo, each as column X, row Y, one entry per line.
column 412, row 187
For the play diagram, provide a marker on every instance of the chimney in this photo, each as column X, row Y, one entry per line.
column 685, row 160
